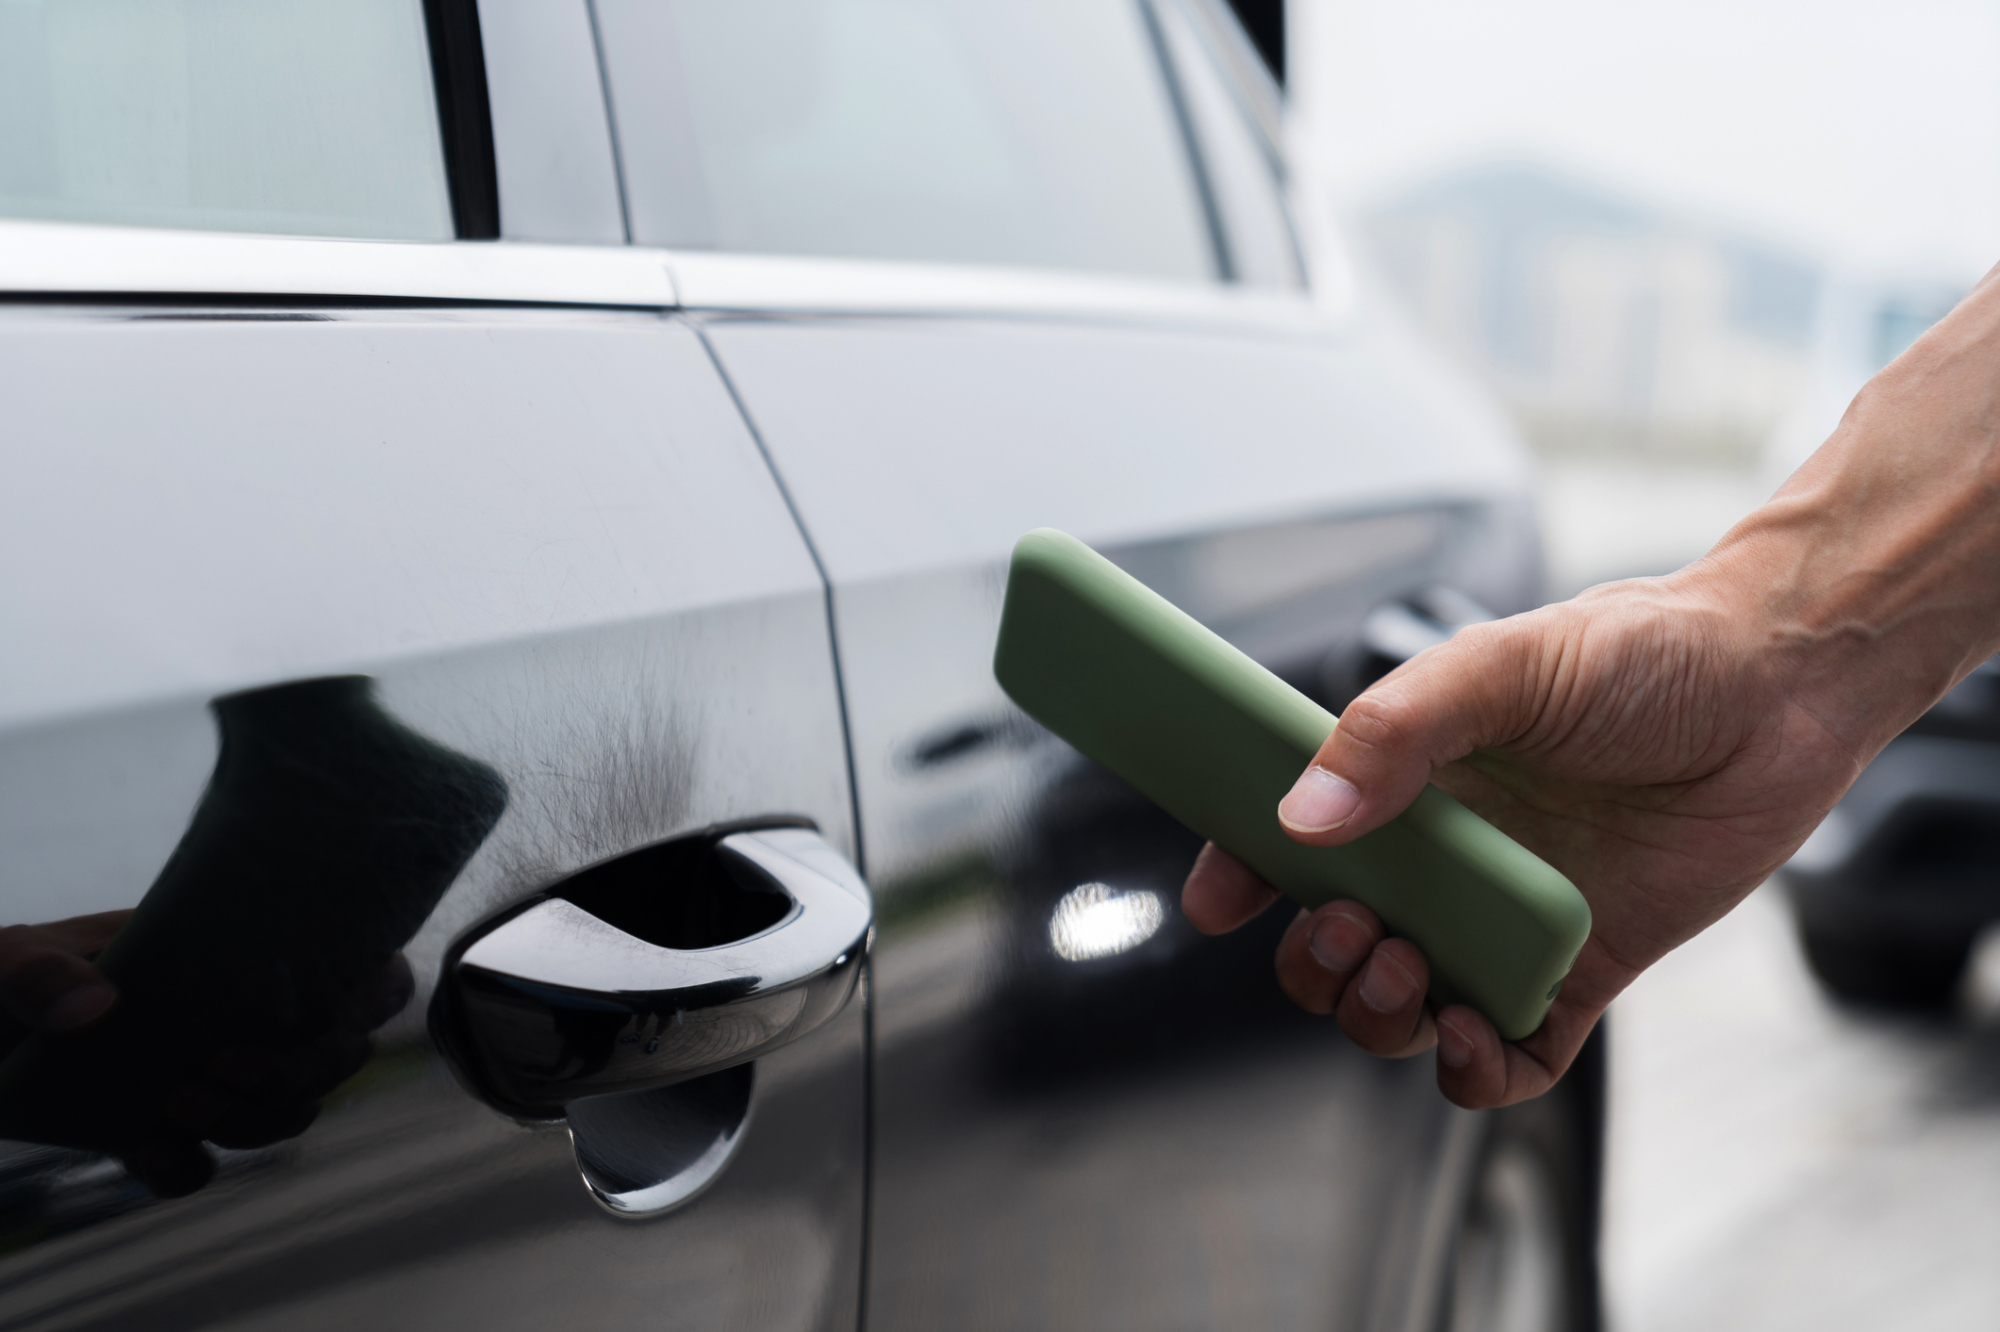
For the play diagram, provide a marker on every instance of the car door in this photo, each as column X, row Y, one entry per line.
column 976, row 268
column 401, row 594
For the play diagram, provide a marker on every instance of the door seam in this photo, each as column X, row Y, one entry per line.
column 853, row 800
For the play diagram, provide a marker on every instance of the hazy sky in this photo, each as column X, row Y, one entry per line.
column 1864, row 131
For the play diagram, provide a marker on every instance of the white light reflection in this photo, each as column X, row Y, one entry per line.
column 1097, row 920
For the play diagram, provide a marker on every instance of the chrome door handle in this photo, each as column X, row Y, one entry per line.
column 555, row 1004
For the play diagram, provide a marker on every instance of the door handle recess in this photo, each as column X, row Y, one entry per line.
column 1395, row 631
column 554, row 1004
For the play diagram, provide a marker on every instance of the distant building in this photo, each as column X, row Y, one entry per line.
column 1865, row 322
column 1604, row 323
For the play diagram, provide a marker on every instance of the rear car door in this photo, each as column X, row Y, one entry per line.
column 436, row 578
column 968, row 274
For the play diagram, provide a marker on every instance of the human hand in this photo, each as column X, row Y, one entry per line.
column 1637, row 738
column 1667, row 742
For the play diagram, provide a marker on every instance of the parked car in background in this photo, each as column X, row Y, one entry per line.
column 570, row 450
column 1892, row 892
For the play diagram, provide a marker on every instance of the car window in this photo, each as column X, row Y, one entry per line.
column 1242, row 164
column 1035, row 132
column 302, row 116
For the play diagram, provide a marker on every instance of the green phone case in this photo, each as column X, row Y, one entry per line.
column 1216, row 740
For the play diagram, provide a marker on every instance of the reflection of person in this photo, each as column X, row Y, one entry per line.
column 1668, row 742
column 243, row 986
column 239, row 1095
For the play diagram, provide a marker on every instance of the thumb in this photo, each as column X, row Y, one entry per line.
column 1435, row 708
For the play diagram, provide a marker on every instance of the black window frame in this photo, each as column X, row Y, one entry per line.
column 1260, row 100
column 465, row 117
column 1219, row 250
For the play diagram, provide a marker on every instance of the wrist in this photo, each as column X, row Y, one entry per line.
column 1871, row 580
column 1864, row 590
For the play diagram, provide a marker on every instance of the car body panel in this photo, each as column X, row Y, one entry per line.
column 672, row 540
column 1148, row 1135
column 549, row 539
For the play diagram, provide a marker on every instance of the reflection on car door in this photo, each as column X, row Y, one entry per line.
column 589, row 626
column 1087, row 1116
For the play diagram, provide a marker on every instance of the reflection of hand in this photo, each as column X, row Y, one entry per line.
column 48, row 981
column 255, row 1095
column 1668, row 742
column 240, row 1096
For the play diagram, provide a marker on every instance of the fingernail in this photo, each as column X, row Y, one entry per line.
column 1454, row 1046
column 1338, row 942
column 1385, row 986
column 1318, row 802
column 86, row 1003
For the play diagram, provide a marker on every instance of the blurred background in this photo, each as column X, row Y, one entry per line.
column 1673, row 238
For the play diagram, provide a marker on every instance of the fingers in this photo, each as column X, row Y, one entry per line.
column 45, row 983
column 1472, row 1061
column 1383, row 1011
column 1338, row 960
column 1323, row 951
column 1436, row 708
column 88, row 934
column 1222, row 892
column 1478, row 1070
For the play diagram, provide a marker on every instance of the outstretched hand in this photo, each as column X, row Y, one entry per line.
column 1636, row 738
column 1666, row 742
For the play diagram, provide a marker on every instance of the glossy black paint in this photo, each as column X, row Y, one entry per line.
column 1893, row 890
column 552, row 539
column 1086, row 1115
column 253, row 968
column 1151, row 1136
column 705, row 699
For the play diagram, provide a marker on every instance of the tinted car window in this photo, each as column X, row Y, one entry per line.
column 1027, row 132
column 1243, row 165
column 301, row 116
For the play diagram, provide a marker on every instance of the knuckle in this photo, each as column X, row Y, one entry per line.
column 1379, row 720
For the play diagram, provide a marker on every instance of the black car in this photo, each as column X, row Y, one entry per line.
column 1894, row 888
column 504, row 528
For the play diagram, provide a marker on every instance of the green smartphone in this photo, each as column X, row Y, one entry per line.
column 1216, row 740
